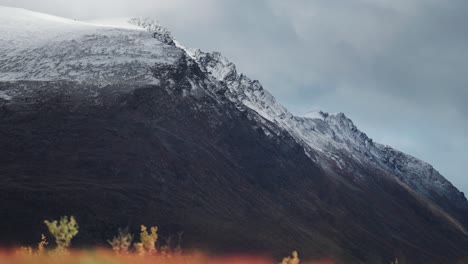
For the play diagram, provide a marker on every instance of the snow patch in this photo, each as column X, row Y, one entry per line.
column 190, row 52
column 116, row 22
column 36, row 46
column 314, row 115
column 5, row 96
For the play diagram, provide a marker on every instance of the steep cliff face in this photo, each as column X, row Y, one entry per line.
column 124, row 126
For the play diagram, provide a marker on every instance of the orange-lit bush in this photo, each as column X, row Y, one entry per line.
column 294, row 259
column 122, row 242
column 145, row 251
column 41, row 245
column 147, row 244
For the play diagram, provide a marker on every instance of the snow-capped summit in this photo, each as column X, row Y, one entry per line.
column 36, row 46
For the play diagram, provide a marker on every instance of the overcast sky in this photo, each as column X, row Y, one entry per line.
column 397, row 68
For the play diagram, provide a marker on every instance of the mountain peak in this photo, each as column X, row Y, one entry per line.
column 153, row 26
column 36, row 46
column 216, row 64
column 315, row 114
column 319, row 114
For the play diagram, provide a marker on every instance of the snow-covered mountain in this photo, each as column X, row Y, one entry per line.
column 36, row 46
column 330, row 139
column 118, row 111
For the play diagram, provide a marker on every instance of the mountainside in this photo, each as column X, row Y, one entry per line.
column 122, row 125
column 333, row 134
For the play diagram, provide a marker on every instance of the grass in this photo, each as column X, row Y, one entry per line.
column 105, row 256
column 109, row 257
column 142, row 252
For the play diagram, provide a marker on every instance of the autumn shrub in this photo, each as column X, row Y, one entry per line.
column 41, row 245
column 25, row 251
column 122, row 242
column 63, row 231
column 147, row 244
column 294, row 259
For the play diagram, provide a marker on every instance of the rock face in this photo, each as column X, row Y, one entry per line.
column 122, row 126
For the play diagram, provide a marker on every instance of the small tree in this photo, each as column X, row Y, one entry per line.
column 295, row 258
column 122, row 242
column 41, row 245
column 291, row 260
column 63, row 231
column 139, row 249
column 165, row 250
column 147, row 244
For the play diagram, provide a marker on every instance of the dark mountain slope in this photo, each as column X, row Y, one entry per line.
column 195, row 164
column 167, row 144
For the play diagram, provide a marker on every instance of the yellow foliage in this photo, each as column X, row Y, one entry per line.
column 294, row 259
column 122, row 242
column 41, row 245
column 99, row 256
column 147, row 244
column 139, row 249
column 63, row 231
column 25, row 251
